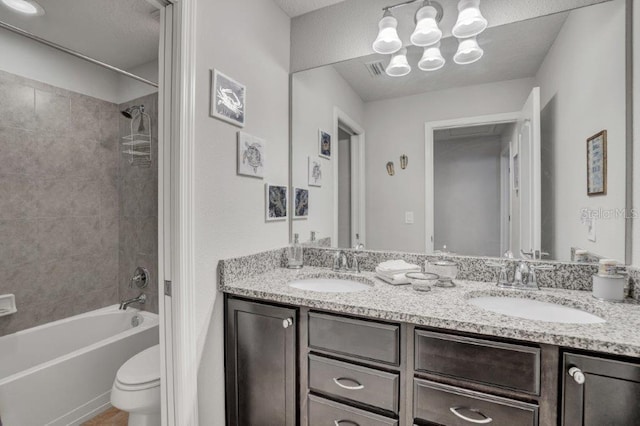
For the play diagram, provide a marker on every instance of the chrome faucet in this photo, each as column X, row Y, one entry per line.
column 140, row 299
column 524, row 276
column 341, row 262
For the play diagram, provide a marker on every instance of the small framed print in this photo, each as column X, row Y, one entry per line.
column 228, row 99
column 324, row 142
column 597, row 164
column 300, row 203
column 276, row 202
column 315, row 171
column 251, row 155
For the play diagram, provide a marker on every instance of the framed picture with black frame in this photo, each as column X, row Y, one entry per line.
column 597, row 164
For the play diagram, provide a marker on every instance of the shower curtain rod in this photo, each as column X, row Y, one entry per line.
column 74, row 53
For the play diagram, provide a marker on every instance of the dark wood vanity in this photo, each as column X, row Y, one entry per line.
column 293, row 365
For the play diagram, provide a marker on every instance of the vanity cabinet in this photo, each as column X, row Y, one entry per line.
column 260, row 363
column 599, row 391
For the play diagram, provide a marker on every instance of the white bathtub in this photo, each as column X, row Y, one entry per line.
column 61, row 373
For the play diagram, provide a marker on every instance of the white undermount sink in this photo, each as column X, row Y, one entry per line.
column 329, row 285
column 535, row 310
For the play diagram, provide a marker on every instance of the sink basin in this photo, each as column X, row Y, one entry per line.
column 329, row 285
column 535, row 310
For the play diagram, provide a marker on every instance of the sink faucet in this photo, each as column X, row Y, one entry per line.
column 140, row 299
column 524, row 277
column 341, row 262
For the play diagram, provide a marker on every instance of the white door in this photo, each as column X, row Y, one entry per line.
column 529, row 169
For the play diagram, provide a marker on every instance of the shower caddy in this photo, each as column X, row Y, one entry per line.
column 138, row 141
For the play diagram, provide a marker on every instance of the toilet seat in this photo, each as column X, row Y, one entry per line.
column 142, row 371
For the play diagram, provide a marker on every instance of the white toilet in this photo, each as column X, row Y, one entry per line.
column 136, row 388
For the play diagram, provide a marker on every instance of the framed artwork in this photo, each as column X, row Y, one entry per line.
column 324, row 142
column 276, row 202
column 228, row 99
column 315, row 171
column 597, row 164
column 300, row 203
column 251, row 155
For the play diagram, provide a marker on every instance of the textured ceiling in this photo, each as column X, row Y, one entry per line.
column 121, row 33
column 510, row 52
column 295, row 8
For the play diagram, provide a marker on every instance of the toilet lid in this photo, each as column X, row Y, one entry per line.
column 141, row 368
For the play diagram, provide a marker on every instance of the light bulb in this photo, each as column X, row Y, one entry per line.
column 427, row 31
column 468, row 52
column 387, row 41
column 470, row 21
column 399, row 66
column 432, row 59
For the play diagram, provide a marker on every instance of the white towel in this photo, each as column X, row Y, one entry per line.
column 396, row 266
column 398, row 279
column 399, row 273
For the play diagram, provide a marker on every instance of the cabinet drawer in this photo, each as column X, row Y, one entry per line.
column 504, row 365
column 361, row 384
column 361, row 339
column 448, row 405
column 323, row 412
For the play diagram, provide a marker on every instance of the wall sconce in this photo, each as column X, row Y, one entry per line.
column 390, row 168
column 404, row 161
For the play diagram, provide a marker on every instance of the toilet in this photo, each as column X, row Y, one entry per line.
column 136, row 388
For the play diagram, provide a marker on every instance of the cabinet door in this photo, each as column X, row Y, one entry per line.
column 260, row 346
column 609, row 394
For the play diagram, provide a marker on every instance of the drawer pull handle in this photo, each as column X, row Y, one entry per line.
column 287, row 322
column 345, row 422
column 484, row 421
column 577, row 375
column 356, row 387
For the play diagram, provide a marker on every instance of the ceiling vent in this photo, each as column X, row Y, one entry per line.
column 376, row 69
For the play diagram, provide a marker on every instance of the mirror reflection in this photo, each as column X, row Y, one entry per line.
column 519, row 152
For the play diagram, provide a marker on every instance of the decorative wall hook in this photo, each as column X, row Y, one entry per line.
column 404, row 161
column 390, row 168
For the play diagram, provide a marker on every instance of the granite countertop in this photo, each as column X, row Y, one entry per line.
column 447, row 308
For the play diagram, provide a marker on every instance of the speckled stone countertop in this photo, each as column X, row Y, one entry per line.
column 447, row 308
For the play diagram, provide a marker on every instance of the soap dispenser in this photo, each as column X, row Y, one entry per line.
column 294, row 254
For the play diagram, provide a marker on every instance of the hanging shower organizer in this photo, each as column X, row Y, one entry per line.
column 138, row 142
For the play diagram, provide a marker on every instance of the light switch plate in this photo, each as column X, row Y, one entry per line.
column 408, row 218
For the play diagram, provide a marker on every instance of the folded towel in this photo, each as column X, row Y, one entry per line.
column 399, row 279
column 392, row 274
column 396, row 265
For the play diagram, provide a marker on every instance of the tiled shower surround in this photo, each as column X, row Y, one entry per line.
column 62, row 200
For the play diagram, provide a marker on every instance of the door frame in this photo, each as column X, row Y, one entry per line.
column 357, row 179
column 505, row 198
column 429, row 128
column 176, row 184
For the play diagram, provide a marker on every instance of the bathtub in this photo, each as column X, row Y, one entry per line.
column 61, row 373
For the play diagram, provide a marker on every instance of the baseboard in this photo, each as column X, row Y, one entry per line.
column 85, row 412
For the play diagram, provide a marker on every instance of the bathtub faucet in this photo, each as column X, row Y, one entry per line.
column 140, row 299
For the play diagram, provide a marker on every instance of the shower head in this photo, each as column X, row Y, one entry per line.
column 129, row 112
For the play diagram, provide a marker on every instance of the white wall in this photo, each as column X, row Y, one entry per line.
column 344, row 190
column 315, row 94
column 30, row 59
column 467, row 195
column 582, row 83
column 248, row 40
column 395, row 127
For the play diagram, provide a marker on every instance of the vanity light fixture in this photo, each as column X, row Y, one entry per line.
column 26, row 7
column 470, row 21
column 387, row 41
column 468, row 52
column 399, row 66
column 432, row 59
column 427, row 31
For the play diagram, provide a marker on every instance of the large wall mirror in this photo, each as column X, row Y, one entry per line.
column 522, row 151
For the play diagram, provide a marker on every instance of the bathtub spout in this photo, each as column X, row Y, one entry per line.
column 140, row 299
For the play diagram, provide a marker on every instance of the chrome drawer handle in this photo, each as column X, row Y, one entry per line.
column 356, row 387
column 484, row 421
column 345, row 422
